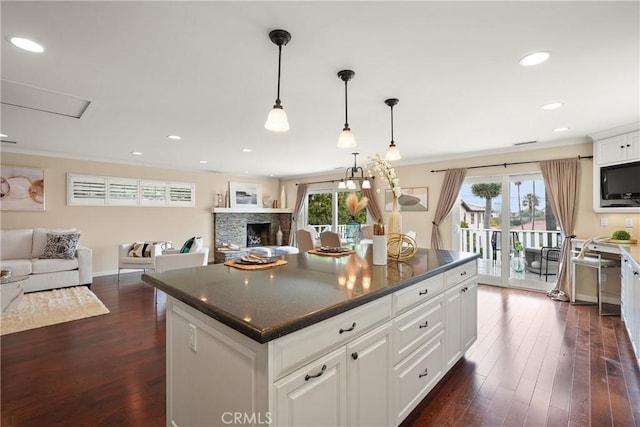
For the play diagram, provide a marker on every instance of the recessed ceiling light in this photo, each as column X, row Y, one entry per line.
column 247, row 150
column 246, row 171
column 552, row 106
column 562, row 129
column 174, row 137
column 534, row 58
column 204, row 162
column 136, row 153
column 26, row 44
column 2, row 135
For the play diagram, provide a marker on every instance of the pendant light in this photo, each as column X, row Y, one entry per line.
column 346, row 139
column 392, row 152
column 277, row 119
column 349, row 180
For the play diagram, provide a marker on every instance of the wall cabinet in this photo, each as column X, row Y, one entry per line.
column 618, row 149
column 630, row 300
column 369, row 366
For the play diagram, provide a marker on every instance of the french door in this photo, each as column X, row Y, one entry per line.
column 507, row 220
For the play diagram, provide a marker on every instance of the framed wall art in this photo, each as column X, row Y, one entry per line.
column 245, row 195
column 412, row 199
column 21, row 188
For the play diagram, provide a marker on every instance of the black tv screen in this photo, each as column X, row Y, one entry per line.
column 620, row 182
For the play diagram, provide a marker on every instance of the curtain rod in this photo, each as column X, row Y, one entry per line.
column 505, row 164
column 355, row 178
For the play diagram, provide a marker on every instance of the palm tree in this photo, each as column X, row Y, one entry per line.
column 486, row 191
column 531, row 201
column 518, row 184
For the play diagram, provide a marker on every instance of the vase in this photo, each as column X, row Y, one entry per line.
column 283, row 198
column 518, row 263
column 353, row 231
column 279, row 236
column 395, row 219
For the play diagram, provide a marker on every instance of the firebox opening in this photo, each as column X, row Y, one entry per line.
column 258, row 234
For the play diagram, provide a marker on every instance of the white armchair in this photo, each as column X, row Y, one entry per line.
column 126, row 262
column 173, row 261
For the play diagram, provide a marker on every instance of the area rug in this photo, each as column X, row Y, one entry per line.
column 45, row 308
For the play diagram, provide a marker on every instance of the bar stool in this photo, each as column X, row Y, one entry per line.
column 592, row 260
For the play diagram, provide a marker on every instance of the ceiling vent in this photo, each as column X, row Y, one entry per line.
column 32, row 98
column 525, row 142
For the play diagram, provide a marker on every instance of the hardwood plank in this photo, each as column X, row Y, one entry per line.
column 536, row 362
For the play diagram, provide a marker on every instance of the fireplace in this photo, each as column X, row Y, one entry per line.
column 258, row 234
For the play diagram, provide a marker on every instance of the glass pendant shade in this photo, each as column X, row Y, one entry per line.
column 342, row 185
column 392, row 153
column 351, row 185
column 277, row 120
column 366, row 184
column 346, row 139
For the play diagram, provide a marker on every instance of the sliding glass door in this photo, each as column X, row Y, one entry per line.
column 327, row 210
column 507, row 220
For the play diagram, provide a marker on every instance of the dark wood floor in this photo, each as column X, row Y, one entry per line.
column 536, row 362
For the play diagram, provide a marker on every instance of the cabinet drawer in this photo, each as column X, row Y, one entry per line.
column 417, row 294
column 413, row 328
column 417, row 375
column 460, row 274
column 296, row 349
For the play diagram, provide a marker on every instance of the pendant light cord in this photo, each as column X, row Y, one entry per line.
column 279, row 61
column 346, row 120
column 392, row 143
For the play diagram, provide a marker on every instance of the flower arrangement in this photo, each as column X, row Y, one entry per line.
column 387, row 172
column 353, row 205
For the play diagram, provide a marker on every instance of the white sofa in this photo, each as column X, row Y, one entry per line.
column 20, row 250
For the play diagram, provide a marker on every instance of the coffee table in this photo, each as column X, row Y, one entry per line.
column 11, row 291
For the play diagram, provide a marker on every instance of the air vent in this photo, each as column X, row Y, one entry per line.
column 32, row 98
column 525, row 142
column 6, row 141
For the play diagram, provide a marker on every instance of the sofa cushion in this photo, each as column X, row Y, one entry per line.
column 40, row 239
column 40, row 266
column 61, row 246
column 194, row 244
column 140, row 250
column 16, row 244
column 20, row 267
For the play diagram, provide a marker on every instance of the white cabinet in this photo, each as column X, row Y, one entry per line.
column 630, row 299
column 369, row 379
column 618, row 149
column 314, row 395
column 460, row 305
column 368, row 366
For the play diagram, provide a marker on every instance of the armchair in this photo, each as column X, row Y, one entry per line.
column 127, row 262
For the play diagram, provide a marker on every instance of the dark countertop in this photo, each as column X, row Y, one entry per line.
column 267, row 304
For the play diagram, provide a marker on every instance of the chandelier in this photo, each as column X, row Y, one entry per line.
column 351, row 176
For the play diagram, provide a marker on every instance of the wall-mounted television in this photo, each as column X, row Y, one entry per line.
column 620, row 185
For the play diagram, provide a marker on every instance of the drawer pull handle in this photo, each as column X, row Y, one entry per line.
column 354, row 356
column 426, row 325
column 353, row 326
column 424, row 374
column 426, row 291
column 635, row 273
column 465, row 289
column 308, row 377
column 464, row 273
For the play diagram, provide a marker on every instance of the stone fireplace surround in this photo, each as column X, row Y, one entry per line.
column 230, row 225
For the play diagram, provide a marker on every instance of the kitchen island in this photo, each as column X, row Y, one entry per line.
column 319, row 341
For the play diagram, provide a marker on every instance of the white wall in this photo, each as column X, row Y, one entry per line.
column 103, row 228
column 420, row 175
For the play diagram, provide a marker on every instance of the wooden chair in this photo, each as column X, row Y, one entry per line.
column 330, row 239
column 304, row 240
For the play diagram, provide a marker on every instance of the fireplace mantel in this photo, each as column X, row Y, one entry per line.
column 251, row 210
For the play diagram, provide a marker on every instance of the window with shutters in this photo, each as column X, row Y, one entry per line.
column 88, row 190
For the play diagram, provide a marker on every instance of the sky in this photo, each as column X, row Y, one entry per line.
column 526, row 187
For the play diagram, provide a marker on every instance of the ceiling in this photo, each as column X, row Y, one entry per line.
column 206, row 71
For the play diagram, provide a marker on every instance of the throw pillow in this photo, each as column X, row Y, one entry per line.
column 194, row 244
column 61, row 246
column 140, row 250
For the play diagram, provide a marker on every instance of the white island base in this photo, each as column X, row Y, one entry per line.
column 368, row 366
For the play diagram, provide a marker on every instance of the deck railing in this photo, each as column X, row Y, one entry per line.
column 478, row 240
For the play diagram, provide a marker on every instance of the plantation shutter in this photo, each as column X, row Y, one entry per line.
column 86, row 190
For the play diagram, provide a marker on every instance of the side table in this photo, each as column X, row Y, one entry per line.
column 11, row 291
